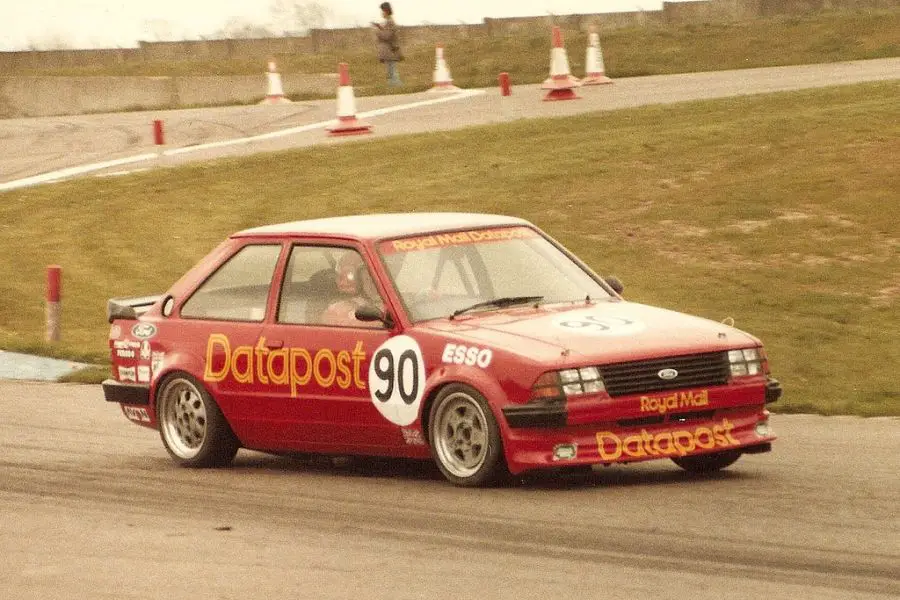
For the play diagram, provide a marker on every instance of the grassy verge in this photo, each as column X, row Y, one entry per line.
column 778, row 211
column 476, row 61
column 92, row 374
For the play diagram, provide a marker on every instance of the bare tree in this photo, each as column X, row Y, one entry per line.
column 237, row 28
column 159, row 30
column 298, row 16
column 51, row 41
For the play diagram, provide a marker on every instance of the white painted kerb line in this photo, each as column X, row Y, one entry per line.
column 320, row 125
column 53, row 176
column 72, row 171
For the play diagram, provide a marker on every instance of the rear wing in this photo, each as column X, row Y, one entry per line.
column 129, row 308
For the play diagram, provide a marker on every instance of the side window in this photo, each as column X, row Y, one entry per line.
column 324, row 285
column 239, row 289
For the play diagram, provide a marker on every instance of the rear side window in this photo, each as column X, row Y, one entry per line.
column 239, row 289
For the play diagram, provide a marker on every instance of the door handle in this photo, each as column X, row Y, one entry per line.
column 274, row 344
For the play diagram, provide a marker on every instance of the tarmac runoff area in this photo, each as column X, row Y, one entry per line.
column 93, row 508
column 14, row 365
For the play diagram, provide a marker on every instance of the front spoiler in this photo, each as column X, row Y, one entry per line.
column 743, row 429
column 126, row 393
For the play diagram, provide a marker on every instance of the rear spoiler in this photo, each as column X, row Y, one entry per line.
column 129, row 308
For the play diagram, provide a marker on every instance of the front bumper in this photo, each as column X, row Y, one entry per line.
column 537, row 414
column 773, row 390
column 741, row 428
column 126, row 393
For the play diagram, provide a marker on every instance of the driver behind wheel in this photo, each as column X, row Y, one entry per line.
column 356, row 289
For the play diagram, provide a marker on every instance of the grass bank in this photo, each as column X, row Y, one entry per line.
column 653, row 50
column 778, row 211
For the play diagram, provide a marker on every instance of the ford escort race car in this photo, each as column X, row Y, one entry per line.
column 475, row 340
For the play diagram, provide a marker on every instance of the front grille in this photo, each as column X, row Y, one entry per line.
column 642, row 376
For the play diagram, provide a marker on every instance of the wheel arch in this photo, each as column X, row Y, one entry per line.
column 176, row 370
column 176, row 362
column 477, row 379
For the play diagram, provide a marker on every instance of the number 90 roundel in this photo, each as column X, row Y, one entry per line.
column 397, row 379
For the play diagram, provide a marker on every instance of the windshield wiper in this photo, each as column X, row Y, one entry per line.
column 498, row 303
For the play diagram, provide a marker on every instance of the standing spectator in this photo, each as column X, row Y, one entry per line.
column 388, row 44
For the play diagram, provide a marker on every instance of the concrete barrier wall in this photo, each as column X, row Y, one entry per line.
column 331, row 40
column 603, row 22
column 53, row 96
column 48, row 96
column 44, row 96
column 63, row 59
column 223, row 49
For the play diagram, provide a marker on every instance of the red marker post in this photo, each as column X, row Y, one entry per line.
column 158, row 137
column 54, row 290
column 505, row 88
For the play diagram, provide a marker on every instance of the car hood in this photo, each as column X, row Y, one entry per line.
column 605, row 332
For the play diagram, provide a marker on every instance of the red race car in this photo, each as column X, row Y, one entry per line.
column 476, row 340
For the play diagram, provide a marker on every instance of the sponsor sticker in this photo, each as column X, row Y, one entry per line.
column 458, row 354
column 143, row 374
column 156, row 360
column 127, row 374
column 295, row 367
column 680, row 442
column 588, row 322
column 666, row 402
column 397, row 379
column 126, row 344
column 125, row 353
column 143, row 331
column 115, row 332
column 459, row 238
column 412, row 437
column 145, row 350
column 134, row 413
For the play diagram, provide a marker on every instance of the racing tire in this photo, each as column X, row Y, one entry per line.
column 465, row 438
column 707, row 463
column 192, row 427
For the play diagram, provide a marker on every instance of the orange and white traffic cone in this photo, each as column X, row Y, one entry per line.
column 443, row 82
column 274, row 91
column 595, row 72
column 347, row 123
column 560, row 83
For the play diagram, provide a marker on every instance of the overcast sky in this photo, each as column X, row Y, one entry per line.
column 122, row 23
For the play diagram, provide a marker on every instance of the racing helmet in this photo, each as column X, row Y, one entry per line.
column 348, row 271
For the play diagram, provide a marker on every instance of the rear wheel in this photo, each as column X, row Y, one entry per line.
column 192, row 428
column 707, row 463
column 464, row 436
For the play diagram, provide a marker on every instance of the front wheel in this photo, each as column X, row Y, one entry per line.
column 464, row 436
column 707, row 463
column 193, row 429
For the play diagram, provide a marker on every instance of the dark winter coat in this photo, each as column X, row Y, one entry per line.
column 388, row 42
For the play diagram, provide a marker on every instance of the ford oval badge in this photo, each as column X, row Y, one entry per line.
column 668, row 374
column 143, row 331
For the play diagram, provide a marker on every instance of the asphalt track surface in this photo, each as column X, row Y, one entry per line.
column 35, row 147
column 92, row 507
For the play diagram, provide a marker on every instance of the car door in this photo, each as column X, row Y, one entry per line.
column 221, row 323
column 320, row 353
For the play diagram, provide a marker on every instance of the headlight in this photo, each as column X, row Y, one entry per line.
column 556, row 385
column 747, row 362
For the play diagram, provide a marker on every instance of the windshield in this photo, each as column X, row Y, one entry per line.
column 439, row 274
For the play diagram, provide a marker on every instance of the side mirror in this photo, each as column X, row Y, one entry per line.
column 613, row 282
column 369, row 313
